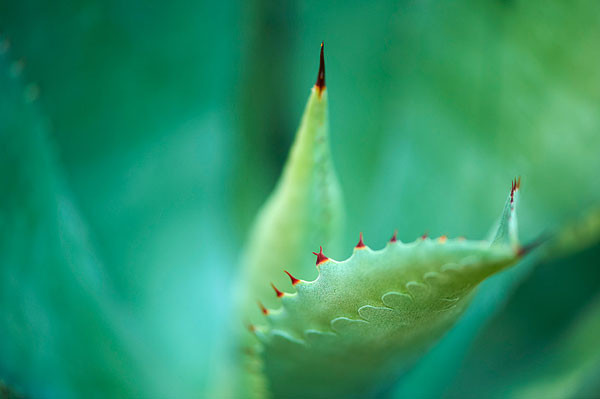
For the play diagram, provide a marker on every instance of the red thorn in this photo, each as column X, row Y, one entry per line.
column 514, row 186
column 425, row 235
column 264, row 310
column 277, row 292
column 394, row 237
column 360, row 244
column 320, row 85
column 294, row 279
column 320, row 257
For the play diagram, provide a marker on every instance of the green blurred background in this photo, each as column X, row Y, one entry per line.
column 138, row 139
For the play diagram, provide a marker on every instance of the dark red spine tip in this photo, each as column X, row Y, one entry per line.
column 277, row 292
column 264, row 310
column 360, row 244
column 515, row 185
column 321, row 76
column 394, row 237
column 425, row 235
column 294, row 279
column 320, row 257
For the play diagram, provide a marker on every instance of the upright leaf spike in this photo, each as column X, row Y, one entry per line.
column 304, row 211
column 506, row 227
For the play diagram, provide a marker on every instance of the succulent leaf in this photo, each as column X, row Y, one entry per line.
column 305, row 209
column 360, row 322
column 363, row 320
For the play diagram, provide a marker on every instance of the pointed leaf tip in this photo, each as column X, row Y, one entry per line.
column 360, row 244
column 320, row 85
column 506, row 227
column 320, row 256
column 294, row 279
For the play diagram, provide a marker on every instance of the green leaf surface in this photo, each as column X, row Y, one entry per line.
column 304, row 211
column 362, row 320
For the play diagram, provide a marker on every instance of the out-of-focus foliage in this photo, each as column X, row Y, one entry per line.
column 572, row 368
column 162, row 127
column 146, row 167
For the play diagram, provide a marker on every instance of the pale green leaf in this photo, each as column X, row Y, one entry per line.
column 361, row 322
column 304, row 211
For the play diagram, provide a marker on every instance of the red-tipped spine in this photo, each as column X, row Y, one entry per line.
column 320, row 85
column 425, row 235
column 320, row 257
column 277, row 292
column 264, row 310
column 515, row 185
column 360, row 244
column 394, row 237
column 294, row 279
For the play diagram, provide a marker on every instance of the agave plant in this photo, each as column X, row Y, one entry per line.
column 90, row 308
column 361, row 322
